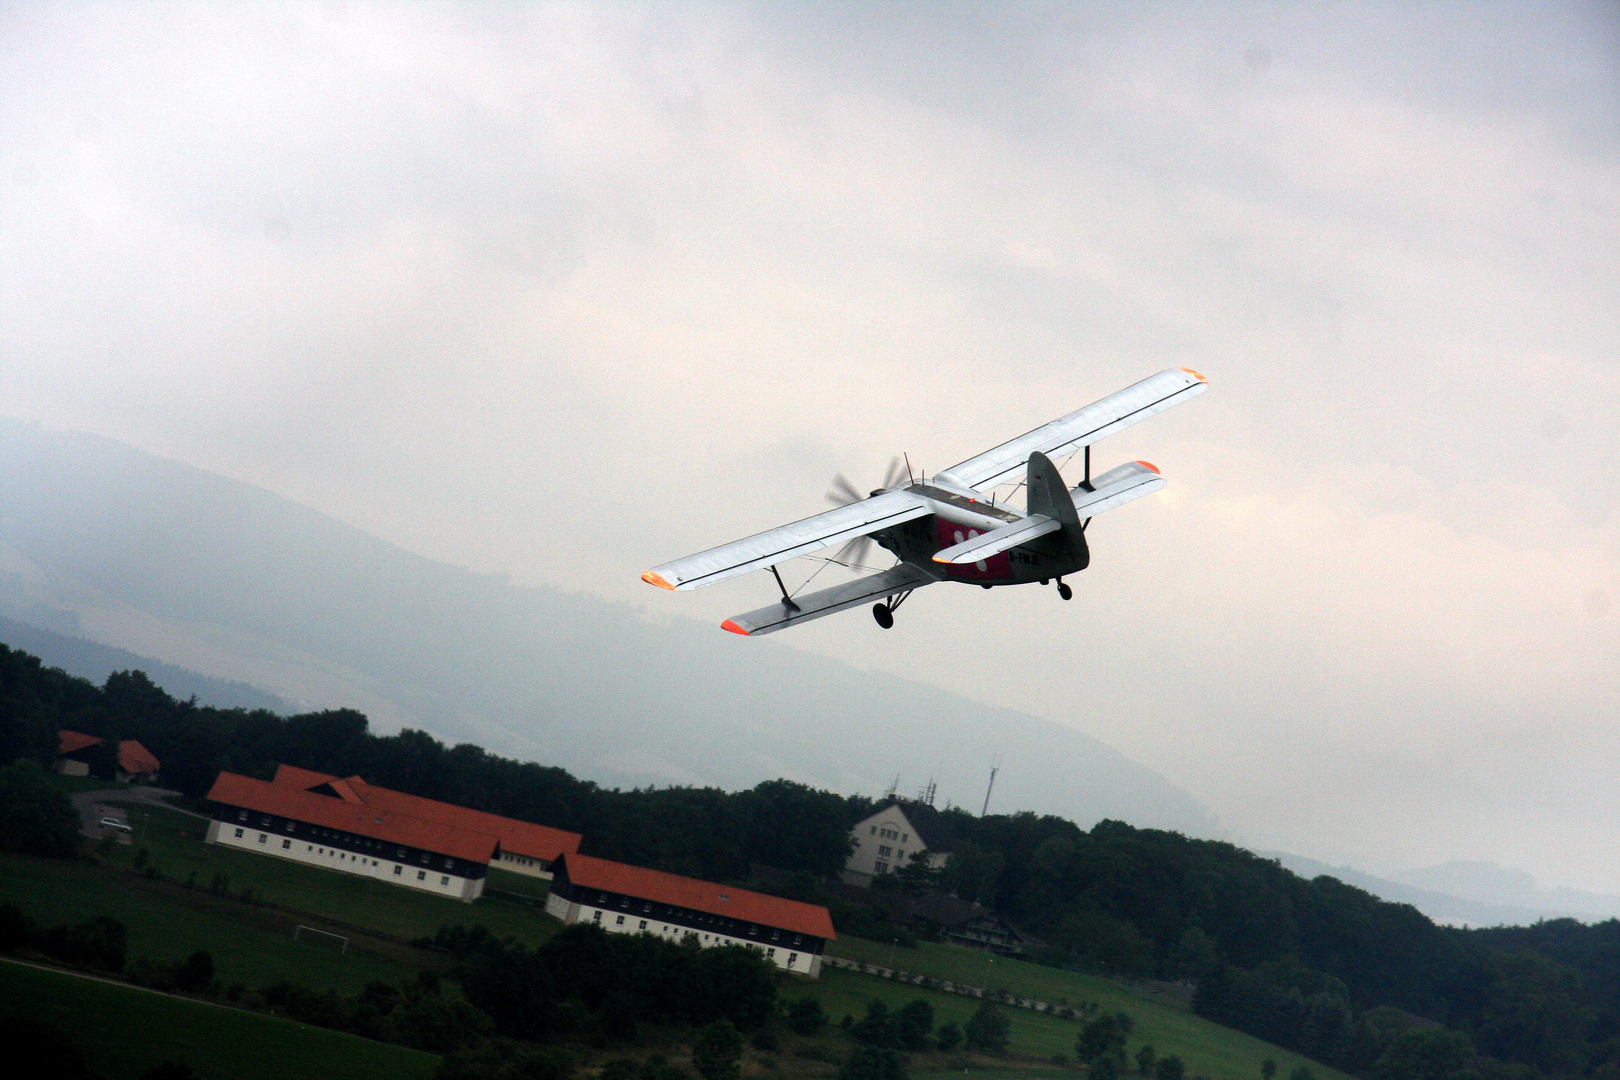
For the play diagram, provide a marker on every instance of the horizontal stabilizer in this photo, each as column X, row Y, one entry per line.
column 994, row 542
column 1116, row 412
column 1116, row 487
column 789, row 541
column 779, row 616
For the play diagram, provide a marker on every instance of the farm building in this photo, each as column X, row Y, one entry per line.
column 356, row 828
column 526, row 848
column 135, row 762
column 632, row 900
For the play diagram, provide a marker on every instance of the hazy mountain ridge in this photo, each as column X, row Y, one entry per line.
column 207, row 573
column 92, row 660
column 1477, row 908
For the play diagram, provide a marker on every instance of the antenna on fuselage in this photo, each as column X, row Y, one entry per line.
column 909, row 478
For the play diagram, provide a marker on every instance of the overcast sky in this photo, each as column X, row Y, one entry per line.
column 570, row 290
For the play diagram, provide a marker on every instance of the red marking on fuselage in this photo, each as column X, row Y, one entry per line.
column 995, row 568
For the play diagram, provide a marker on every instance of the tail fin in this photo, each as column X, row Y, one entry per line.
column 1048, row 495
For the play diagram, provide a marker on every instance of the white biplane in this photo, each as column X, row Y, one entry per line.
column 949, row 526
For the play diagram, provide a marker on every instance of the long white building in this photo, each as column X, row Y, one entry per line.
column 625, row 899
column 334, row 825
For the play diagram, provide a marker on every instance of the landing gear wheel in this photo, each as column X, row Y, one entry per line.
column 1064, row 591
column 884, row 617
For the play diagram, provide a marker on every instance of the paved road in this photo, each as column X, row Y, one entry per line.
column 93, row 806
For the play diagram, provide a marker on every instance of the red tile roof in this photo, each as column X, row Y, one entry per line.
column 132, row 756
column 71, row 742
column 135, row 758
column 517, row 837
column 369, row 821
column 659, row 887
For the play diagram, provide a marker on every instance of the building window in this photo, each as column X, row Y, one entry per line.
column 882, row 868
column 398, row 870
column 792, row 958
column 241, row 815
column 643, row 925
column 904, row 837
column 619, row 921
column 292, row 826
column 596, row 916
column 263, row 838
column 884, row 852
column 421, row 875
column 444, row 880
column 771, row 953
column 239, row 834
column 286, row 844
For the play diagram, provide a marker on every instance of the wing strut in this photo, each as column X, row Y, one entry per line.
column 787, row 601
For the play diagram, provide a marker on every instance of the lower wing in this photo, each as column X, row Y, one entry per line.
column 780, row 616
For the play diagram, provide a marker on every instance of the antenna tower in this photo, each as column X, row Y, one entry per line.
column 990, row 787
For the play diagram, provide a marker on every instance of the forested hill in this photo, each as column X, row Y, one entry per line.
column 1315, row 965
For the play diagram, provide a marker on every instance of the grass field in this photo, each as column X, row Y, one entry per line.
column 167, row 922
column 122, row 1032
column 1207, row 1048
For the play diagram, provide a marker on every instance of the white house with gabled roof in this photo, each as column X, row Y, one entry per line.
column 888, row 840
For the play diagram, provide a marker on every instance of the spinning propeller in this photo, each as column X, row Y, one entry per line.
column 842, row 493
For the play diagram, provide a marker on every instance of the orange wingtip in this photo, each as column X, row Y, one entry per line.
column 733, row 627
column 1195, row 375
column 653, row 579
column 1149, row 465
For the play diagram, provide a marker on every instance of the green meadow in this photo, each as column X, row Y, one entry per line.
column 123, row 1031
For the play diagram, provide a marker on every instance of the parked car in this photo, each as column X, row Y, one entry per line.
column 114, row 823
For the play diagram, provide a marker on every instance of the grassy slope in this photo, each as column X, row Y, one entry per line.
column 1208, row 1049
column 123, row 1032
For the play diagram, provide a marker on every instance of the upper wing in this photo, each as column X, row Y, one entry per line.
column 1080, row 428
column 800, row 538
column 780, row 616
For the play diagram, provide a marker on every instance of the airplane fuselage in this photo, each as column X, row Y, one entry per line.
column 958, row 517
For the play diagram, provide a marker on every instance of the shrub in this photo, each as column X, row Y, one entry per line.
column 1170, row 1067
column 717, row 1051
column 949, row 1036
column 99, row 942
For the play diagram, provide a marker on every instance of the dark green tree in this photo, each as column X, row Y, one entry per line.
column 988, row 1029
column 1268, row 1069
column 806, row 1016
column 872, row 1063
column 195, row 972
column 949, row 1036
column 717, row 1051
column 1104, row 1037
column 1144, row 1060
column 878, row 1027
column 1424, row 1054
column 915, row 1025
column 36, row 818
column 1170, row 1067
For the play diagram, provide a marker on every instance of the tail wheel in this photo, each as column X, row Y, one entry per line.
column 884, row 617
column 1064, row 591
